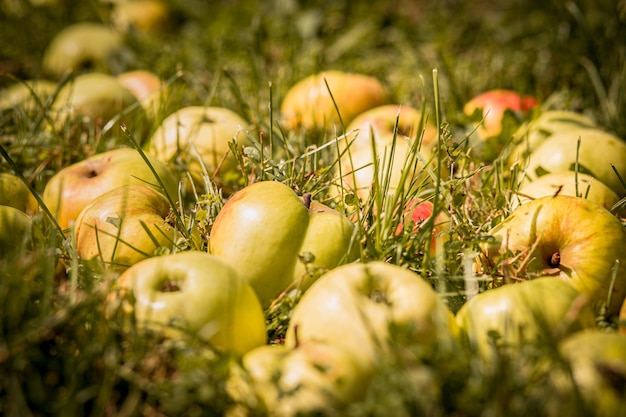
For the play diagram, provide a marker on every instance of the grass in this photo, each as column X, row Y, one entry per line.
column 65, row 351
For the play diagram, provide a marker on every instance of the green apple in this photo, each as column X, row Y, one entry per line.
column 74, row 186
column 532, row 132
column 312, row 102
column 541, row 310
column 264, row 229
column 312, row 378
column 567, row 183
column 597, row 361
column 368, row 309
column 15, row 232
column 566, row 237
column 14, row 193
column 81, row 46
column 195, row 133
column 490, row 113
column 194, row 294
column 25, row 94
column 599, row 154
column 99, row 100
column 124, row 226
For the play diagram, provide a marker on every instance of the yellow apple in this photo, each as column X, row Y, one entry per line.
column 25, row 94
column 124, row 226
column 265, row 229
column 14, row 193
column 368, row 308
column 308, row 104
column 194, row 294
column 149, row 89
column 15, row 232
column 569, row 238
column 143, row 16
column 74, row 186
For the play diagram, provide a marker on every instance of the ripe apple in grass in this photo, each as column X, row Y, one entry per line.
column 74, row 186
column 15, row 232
column 498, row 113
column 82, row 46
column 149, row 90
column 368, row 308
column 194, row 294
column 312, row 378
column 194, row 132
column 142, row 16
column 124, row 226
column 14, row 193
column 265, row 229
column 24, row 94
column 567, row 183
column 566, row 237
column 599, row 152
column 308, row 104
column 542, row 309
column 417, row 212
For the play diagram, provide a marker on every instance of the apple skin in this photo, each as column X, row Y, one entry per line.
column 100, row 98
column 598, row 150
column 566, row 237
column 74, row 186
column 263, row 228
column 80, row 46
column 209, row 129
column 368, row 308
column 565, row 183
column 488, row 109
column 14, row 193
column 543, row 309
column 194, row 294
column 24, row 94
column 416, row 212
column 15, row 232
column 597, row 360
column 311, row 378
column 112, row 227
column 308, row 104
column 150, row 17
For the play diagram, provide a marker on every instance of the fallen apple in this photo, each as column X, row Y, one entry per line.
column 416, row 213
column 82, row 46
column 124, row 226
column 28, row 95
column 566, row 237
column 197, row 135
column 311, row 378
column 492, row 111
column 15, row 232
column 322, row 100
column 368, row 309
column 150, row 91
column 541, row 310
column 74, row 186
column 277, row 240
column 193, row 294
column 599, row 154
column 144, row 16
column 14, row 193
column 567, row 183
column 99, row 100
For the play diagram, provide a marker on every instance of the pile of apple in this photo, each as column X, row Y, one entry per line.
column 561, row 253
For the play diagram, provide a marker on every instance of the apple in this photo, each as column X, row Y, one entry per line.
column 265, row 229
column 368, row 309
column 194, row 294
column 74, row 186
column 82, row 46
column 311, row 378
column 567, row 183
column 24, row 94
column 149, row 89
column 569, row 238
column 15, row 232
column 599, row 152
column 308, row 104
column 14, row 193
column 491, row 110
column 597, row 370
column 418, row 211
column 124, row 226
column 143, row 16
column 100, row 100
column 197, row 133
column 504, row 318
column 534, row 131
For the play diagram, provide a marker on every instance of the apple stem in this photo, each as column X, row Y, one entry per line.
column 306, row 198
column 295, row 336
column 555, row 260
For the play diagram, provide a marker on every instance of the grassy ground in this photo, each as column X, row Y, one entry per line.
column 62, row 353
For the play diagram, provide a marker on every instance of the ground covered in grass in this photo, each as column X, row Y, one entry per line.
column 66, row 351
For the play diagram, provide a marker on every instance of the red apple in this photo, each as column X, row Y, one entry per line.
column 416, row 213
